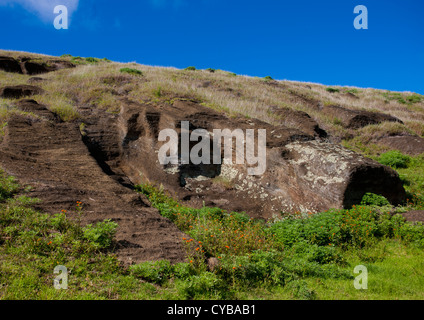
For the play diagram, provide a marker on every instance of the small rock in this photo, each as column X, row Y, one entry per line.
column 213, row 263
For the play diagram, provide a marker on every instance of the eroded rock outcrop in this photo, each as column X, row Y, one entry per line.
column 303, row 174
column 53, row 159
column 412, row 145
column 19, row 91
column 299, row 119
column 355, row 119
column 25, row 65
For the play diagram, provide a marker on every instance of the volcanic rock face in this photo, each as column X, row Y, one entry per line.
column 16, row 92
column 27, row 66
column 10, row 65
column 51, row 157
column 302, row 173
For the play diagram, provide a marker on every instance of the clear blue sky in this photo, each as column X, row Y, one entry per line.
column 304, row 40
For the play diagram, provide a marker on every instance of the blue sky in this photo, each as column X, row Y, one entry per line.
column 303, row 40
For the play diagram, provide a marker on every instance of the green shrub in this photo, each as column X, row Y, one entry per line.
column 92, row 60
column 371, row 199
column 394, row 159
column 268, row 78
column 101, row 234
column 183, row 270
column 60, row 222
column 299, row 290
column 414, row 98
column 191, row 68
column 8, row 186
column 206, row 284
column 315, row 253
column 78, row 60
column 131, row 71
column 353, row 91
column 332, row 90
column 210, row 70
column 158, row 92
column 153, row 271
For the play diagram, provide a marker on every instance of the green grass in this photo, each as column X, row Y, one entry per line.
column 288, row 258
column 295, row 257
column 394, row 159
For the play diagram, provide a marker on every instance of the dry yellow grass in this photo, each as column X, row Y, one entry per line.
column 221, row 90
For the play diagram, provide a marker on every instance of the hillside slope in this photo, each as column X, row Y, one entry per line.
column 85, row 129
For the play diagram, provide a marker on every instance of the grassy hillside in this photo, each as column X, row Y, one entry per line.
column 102, row 83
column 298, row 256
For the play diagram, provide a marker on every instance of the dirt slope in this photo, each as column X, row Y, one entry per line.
column 52, row 157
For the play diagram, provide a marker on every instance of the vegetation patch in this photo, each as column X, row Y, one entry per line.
column 395, row 159
column 332, row 90
column 131, row 71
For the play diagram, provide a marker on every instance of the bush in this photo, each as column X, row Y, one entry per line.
column 60, row 222
column 183, row 270
column 92, row 60
column 8, row 186
column 300, row 290
column 191, row 68
column 101, row 234
column 332, row 90
column 153, row 271
column 352, row 91
column 414, row 98
column 394, row 159
column 371, row 199
column 315, row 253
column 134, row 72
column 205, row 284
column 210, row 70
column 268, row 78
column 158, row 92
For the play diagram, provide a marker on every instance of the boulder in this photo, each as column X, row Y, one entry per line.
column 35, row 80
column 26, row 65
column 411, row 145
column 32, row 68
column 299, row 119
column 16, row 92
column 414, row 216
column 9, row 64
column 355, row 119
